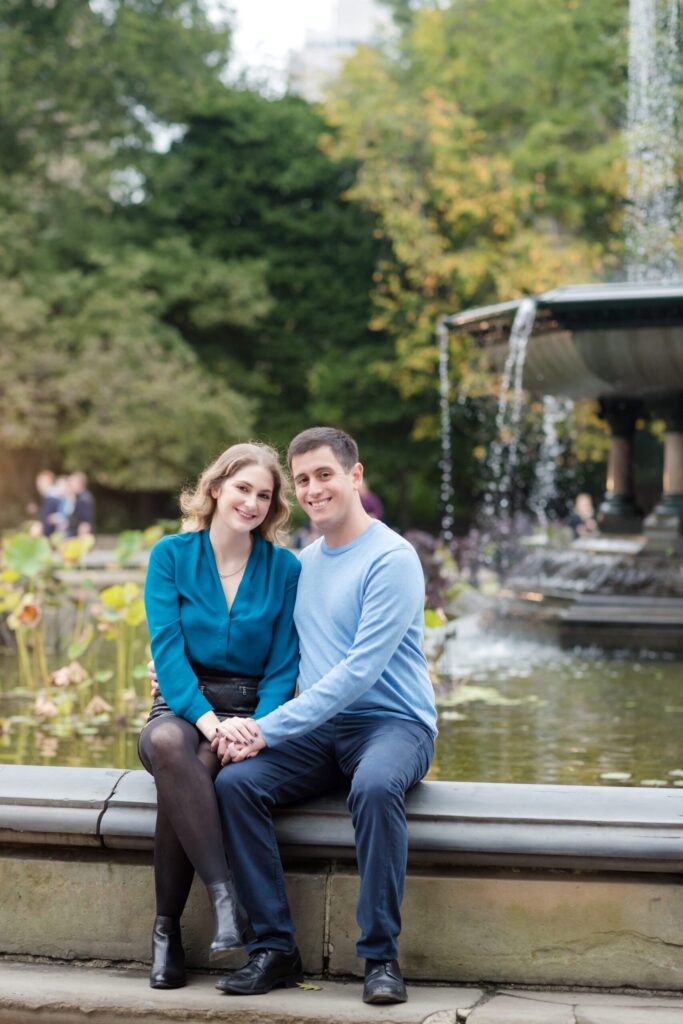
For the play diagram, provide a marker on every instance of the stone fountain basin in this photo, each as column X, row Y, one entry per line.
column 603, row 592
column 592, row 341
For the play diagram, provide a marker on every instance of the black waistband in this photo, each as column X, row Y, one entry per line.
column 208, row 673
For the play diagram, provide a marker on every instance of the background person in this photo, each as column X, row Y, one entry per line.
column 220, row 600
column 66, row 501
column 371, row 502
column 582, row 520
column 49, row 501
column 82, row 516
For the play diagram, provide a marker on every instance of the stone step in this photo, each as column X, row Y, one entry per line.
column 63, row 993
column 66, row 994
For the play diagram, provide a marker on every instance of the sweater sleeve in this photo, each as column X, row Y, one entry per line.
column 177, row 681
column 394, row 591
column 282, row 663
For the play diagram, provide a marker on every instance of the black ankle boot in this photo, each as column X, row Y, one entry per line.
column 232, row 923
column 168, row 956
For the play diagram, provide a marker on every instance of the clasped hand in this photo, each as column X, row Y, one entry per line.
column 235, row 738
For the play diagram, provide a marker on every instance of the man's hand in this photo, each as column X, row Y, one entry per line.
column 221, row 745
column 241, row 751
column 153, row 681
column 227, row 750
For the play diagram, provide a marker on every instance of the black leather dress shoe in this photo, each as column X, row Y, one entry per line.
column 265, row 970
column 168, row 955
column 383, row 982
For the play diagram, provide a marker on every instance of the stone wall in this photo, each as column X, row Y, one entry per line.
column 550, row 885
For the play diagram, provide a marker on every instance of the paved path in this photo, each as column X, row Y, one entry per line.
column 66, row 994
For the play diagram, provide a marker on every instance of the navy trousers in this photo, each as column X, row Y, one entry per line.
column 382, row 758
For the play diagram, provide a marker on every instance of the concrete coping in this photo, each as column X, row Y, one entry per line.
column 450, row 823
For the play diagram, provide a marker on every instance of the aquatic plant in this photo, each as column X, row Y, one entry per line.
column 46, row 589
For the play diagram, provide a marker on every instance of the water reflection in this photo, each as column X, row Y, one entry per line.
column 515, row 711
column 554, row 716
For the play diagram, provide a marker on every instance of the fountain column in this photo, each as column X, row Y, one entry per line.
column 664, row 525
column 618, row 512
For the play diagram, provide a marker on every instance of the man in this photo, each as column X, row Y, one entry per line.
column 364, row 714
column 82, row 515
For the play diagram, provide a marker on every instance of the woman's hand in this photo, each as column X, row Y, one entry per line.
column 153, row 681
column 239, row 730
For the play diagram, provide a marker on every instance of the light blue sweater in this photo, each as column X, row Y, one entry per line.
column 359, row 614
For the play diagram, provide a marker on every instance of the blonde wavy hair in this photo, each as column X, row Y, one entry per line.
column 198, row 504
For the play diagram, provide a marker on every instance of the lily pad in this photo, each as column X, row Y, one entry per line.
column 26, row 555
column 485, row 695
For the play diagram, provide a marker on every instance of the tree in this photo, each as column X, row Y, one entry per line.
column 92, row 372
column 249, row 182
column 490, row 153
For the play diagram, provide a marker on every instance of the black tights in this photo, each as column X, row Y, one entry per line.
column 188, row 834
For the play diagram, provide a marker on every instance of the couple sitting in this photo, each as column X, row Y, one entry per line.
column 229, row 612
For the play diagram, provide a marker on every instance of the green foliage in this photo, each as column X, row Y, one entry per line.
column 77, row 77
column 249, row 185
column 26, row 556
column 280, row 266
column 89, row 366
column 93, row 373
column 490, row 152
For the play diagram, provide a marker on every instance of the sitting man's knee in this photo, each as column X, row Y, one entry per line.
column 374, row 792
column 232, row 782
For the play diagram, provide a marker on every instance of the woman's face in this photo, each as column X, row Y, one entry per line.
column 243, row 499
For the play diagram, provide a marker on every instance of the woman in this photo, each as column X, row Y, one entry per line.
column 220, row 600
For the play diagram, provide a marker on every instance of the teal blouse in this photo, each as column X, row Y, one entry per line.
column 189, row 621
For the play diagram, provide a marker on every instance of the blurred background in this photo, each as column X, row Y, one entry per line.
column 220, row 221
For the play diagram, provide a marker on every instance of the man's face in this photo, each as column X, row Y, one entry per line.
column 324, row 489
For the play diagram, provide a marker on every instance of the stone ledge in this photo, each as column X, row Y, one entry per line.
column 450, row 823
column 59, row 806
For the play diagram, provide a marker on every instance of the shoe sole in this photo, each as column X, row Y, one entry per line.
column 167, row 984
column 290, row 982
column 220, row 954
column 384, row 998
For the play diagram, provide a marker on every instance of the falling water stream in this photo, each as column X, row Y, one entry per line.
column 445, row 423
column 504, row 452
column 653, row 223
column 544, row 493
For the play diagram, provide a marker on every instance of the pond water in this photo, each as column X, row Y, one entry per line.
column 510, row 710
column 522, row 711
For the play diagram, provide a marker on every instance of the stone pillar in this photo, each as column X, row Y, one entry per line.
column 618, row 512
column 664, row 525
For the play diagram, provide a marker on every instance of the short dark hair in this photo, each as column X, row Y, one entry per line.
column 342, row 444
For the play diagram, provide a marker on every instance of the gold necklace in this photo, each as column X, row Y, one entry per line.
column 227, row 575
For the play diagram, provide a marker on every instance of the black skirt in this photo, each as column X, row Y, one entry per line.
column 227, row 694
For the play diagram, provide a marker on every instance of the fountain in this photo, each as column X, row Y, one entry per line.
column 622, row 346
